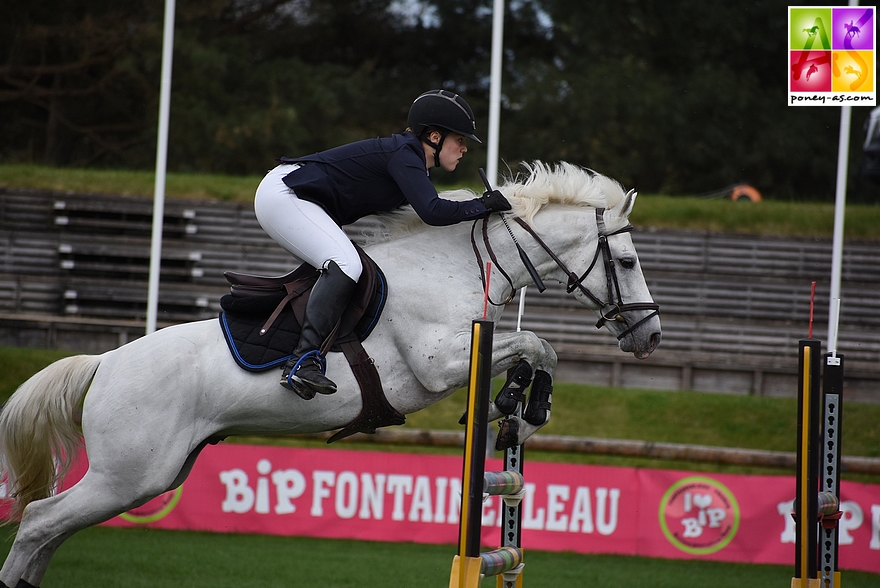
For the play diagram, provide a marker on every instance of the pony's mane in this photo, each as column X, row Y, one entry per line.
column 537, row 185
column 563, row 183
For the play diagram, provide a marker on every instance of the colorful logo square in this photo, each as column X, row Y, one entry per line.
column 808, row 29
column 810, row 71
column 853, row 71
column 832, row 55
column 849, row 30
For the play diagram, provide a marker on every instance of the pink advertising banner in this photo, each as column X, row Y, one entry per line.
column 585, row 509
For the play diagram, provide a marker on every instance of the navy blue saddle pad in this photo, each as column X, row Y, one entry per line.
column 243, row 318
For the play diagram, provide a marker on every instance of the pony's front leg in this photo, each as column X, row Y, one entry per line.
column 509, row 348
column 526, row 358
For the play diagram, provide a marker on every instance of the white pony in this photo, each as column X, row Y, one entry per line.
column 144, row 411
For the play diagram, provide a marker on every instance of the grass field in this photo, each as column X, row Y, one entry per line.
column 134, row 558
column 811, row 219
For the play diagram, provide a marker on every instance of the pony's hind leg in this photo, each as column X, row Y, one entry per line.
column 99, row 496
column 46, row 523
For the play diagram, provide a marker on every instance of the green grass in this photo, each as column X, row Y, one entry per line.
column 698, row 418
column 809, row 219
column 129, row 183
column 147, row 557
column 18, row 364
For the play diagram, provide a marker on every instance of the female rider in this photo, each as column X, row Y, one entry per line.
column 303, row 203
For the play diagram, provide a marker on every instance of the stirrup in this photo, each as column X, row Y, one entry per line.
column 303, row 392
column 313, row 354
column 311, row 374
column 287, row 372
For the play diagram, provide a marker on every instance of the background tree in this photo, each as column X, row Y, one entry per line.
column 683, row 98
column 71, row 87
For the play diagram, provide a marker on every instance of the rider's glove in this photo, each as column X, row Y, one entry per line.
column 494, row 201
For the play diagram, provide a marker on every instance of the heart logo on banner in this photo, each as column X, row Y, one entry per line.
column 703, row 500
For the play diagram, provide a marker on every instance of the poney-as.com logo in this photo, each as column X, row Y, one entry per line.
column 831, row 56
column 699, row 515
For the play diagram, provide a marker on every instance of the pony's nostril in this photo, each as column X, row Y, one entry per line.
column 655, row 340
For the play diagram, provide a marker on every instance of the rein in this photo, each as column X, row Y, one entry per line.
column 611, row 310
column 494, row 260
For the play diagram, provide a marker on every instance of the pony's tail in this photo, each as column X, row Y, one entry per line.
column 40, row 429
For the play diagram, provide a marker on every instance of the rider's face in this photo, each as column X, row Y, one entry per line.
column 454, row 148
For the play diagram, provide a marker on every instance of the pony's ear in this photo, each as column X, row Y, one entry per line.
column 628, row 202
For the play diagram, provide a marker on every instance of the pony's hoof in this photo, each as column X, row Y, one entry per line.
column 508, row 434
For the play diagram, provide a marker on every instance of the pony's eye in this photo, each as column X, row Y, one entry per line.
column 627, row 262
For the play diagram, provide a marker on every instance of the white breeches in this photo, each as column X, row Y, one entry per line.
column 301, row 227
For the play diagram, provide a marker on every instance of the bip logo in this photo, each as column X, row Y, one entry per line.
column 831, row 56
column 699, row 515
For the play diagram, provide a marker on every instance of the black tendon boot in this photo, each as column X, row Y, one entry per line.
column 304, row 372
column 537, row 411
column 514, row 390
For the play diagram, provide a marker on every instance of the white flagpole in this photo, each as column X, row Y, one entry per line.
column 495, row 115
column 837, row 242
column 839, row 213
column 161, row 165
column 495, row 92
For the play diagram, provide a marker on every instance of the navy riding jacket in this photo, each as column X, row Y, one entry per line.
column 372, row 176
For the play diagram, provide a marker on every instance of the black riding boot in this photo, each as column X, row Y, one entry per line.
column 304, row 372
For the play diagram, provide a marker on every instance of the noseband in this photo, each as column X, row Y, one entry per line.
column 611, row 310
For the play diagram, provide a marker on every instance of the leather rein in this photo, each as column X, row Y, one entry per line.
column 611, row 310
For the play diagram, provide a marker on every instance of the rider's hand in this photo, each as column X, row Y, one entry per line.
column 494, row 201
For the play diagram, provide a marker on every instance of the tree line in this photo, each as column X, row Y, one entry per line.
column 679, row 98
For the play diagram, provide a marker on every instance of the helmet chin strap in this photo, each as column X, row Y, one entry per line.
column 437, row 147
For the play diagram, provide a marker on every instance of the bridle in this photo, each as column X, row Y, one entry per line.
column 613, row 309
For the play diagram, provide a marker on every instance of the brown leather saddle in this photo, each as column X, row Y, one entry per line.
column 261, row 321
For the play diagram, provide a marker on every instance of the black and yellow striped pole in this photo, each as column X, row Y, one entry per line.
column 467, row 565
column 809, row 449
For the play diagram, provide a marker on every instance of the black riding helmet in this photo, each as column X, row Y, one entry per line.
column 444, row 110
